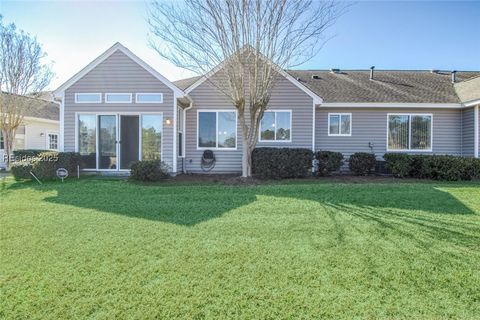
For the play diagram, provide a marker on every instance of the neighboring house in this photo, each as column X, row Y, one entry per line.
column 118, row 110
column 40, row 129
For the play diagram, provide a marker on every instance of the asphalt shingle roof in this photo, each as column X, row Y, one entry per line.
column 389, row 86
column 40, row 108
column 468, row 90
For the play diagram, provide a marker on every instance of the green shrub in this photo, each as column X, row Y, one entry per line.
column 436, row 167
column 21, row 170
column 280, row 163
column 27, row 154
column 149, row 170
column 328, row 162
column 400, row 164
column 362, row 163
column 47, row 163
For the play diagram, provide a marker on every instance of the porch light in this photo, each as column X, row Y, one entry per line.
column 168, row 121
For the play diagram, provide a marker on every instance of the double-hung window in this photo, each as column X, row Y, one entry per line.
column 217, row 130
column 276, row 126
column 339, row 124
column 409, row 132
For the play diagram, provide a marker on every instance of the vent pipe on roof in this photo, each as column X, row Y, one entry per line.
column 454, row 76
column 371, row 72
column 334, row 70
column 315, row 76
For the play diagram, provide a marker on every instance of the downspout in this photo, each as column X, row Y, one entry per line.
column 61, row 106
column 476, row 131
column 184, row 149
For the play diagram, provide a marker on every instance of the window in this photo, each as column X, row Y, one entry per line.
column 88, row 98
column 152, row 125
column 339, row 124
column 149, row 98
column 409, row 132
column 118, row 98
column 2, row 141
column 87, row 140
column 217, row 129
column 276, row 126
column 52, row 141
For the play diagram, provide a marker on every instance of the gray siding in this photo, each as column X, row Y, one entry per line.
column 370, row 125
column 285, row 95
column 468, row 132
column 118, row 73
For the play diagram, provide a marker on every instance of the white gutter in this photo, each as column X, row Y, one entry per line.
column 391, row 105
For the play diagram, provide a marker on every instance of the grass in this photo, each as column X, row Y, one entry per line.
column 111, row 249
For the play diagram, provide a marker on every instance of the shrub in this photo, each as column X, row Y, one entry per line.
column 149, row 170
column 328, row 162
column 280, row 163
column 361, row 163
column 437, row 167
column 400, row 164
column 47, row 163
column 21, row 170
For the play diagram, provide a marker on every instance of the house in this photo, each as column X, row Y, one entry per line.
column 40, row 129
column 118, row 110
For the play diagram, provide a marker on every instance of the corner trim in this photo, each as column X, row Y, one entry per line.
column 476, row 131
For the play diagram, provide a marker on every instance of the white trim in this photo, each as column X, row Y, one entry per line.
column 47, row 140
column 149, row 94
column 476, row 131
column 391, row 105
column 410, row 132
column 117, row 148
column 41, row 120
column 88, row 101
column 313, row 127
column 339, row 134
column 62, row 124
column 471, row 103
column 275, row 132
column 216, row 128
column 118, row 93
column 117, row 46
column 175, row 134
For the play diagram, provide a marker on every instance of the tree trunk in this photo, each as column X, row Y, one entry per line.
column 8, row 138
column 246, row 158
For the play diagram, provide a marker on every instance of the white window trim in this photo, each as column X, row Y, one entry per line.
column 339, row 134
column 117, row 114
column 118, row 93
column 275, row 132
column 47, row 140
column 149, row 94
column 410, row 132
column 216, row 128
column 88, row 101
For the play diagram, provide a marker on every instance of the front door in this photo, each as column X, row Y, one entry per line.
column 129, row 140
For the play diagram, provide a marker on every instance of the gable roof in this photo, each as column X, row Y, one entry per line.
column 116, row 47
column 40, row 108
column 387, row 86
column 469, row 91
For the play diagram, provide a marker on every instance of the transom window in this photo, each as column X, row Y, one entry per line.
column 339, row 124
column 217, row 130
column 276, row 126
column 52, row 141
column 118, row 98
column 88, row 98
column 409, row 132
column 149, row 98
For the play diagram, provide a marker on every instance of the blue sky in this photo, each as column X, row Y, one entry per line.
column 388, row 35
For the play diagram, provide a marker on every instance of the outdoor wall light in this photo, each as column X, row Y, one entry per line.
column 42, row 134
column 168, row 121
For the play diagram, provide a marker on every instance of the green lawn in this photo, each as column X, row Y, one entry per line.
column 112, row 249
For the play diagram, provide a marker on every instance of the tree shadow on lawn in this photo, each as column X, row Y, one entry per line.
column 189, row 205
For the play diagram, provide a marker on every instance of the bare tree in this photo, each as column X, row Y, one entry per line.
column 246, row 43
column 21, row 72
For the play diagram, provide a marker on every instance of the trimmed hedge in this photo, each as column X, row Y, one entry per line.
column 47, row 163
column 436, row 167
column 328, row 162
column 281, row 163
column 362, row 163
column 27, row 153
column 21, row 170
column 149, row 170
